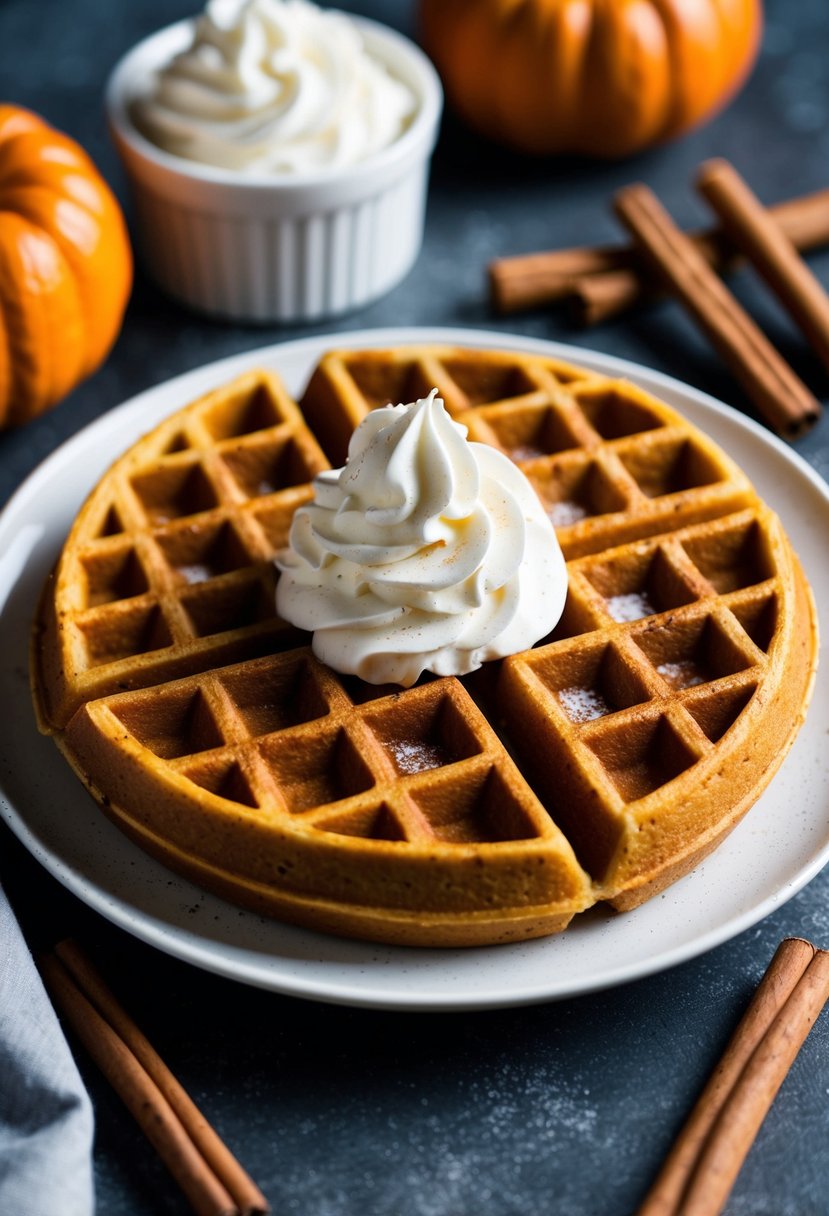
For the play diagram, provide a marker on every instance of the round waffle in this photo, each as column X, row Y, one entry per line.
column 599, row 766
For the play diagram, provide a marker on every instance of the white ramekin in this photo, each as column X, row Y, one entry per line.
column 278, row 248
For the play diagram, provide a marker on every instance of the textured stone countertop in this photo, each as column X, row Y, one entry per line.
column 559, row 1108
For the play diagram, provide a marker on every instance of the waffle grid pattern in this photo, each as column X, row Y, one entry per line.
column 658, row 657
column 680, row 586
column 282, row 734
column 644, row 696
column 172, row 567
column 609, row 462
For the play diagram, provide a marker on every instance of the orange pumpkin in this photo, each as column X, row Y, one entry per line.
column 601, row 77
column 65, row 266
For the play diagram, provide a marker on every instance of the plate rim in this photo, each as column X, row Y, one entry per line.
column 191, row 947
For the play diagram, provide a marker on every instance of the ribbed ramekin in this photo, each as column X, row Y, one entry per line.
column 278, row 248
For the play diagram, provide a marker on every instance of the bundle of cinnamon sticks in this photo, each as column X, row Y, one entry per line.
column 604, row 281
column 703, row 1164
column 213, row 1181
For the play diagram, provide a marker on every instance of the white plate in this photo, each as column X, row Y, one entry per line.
column 780, row 845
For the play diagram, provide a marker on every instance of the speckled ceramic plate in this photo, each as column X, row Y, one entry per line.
column 777, row 848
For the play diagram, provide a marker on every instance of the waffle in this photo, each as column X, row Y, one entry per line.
column 597, row 767
column 167, row 570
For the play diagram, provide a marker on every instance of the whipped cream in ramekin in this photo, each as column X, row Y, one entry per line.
column 423, row 553
column 275, row 86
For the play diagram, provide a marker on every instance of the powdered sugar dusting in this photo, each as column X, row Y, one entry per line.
column 566, row 512
column 416, row 755
column 630, row 607
column 459, row 1176
column 525, row 452
column 683, row 674
column 583, row 704
column 465, row 1148
column 195, row 573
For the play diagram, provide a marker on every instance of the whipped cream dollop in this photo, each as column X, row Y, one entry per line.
column 274, row 86
column 423, row 553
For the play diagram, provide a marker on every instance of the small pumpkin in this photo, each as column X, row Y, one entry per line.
column 65, row 266
column 600, row 77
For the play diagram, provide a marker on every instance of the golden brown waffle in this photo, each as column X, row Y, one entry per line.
column 167, row 569
column 601, row 765
column 610, row 462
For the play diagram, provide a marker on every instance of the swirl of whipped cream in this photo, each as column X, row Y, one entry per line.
column 423, row 553
column 274, row 86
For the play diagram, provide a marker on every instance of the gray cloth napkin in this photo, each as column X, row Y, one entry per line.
column 45, row 1113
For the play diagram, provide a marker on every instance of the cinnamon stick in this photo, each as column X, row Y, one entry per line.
column 541, row 278
column 780, row 396
column 786, row 969
column 746, row 1107
column 605, row 281
column 244, row 1191
column 177, row 1140
column 594, row 298
column 754, row 231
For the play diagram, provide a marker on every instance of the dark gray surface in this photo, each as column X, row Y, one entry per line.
column 565, row 1108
